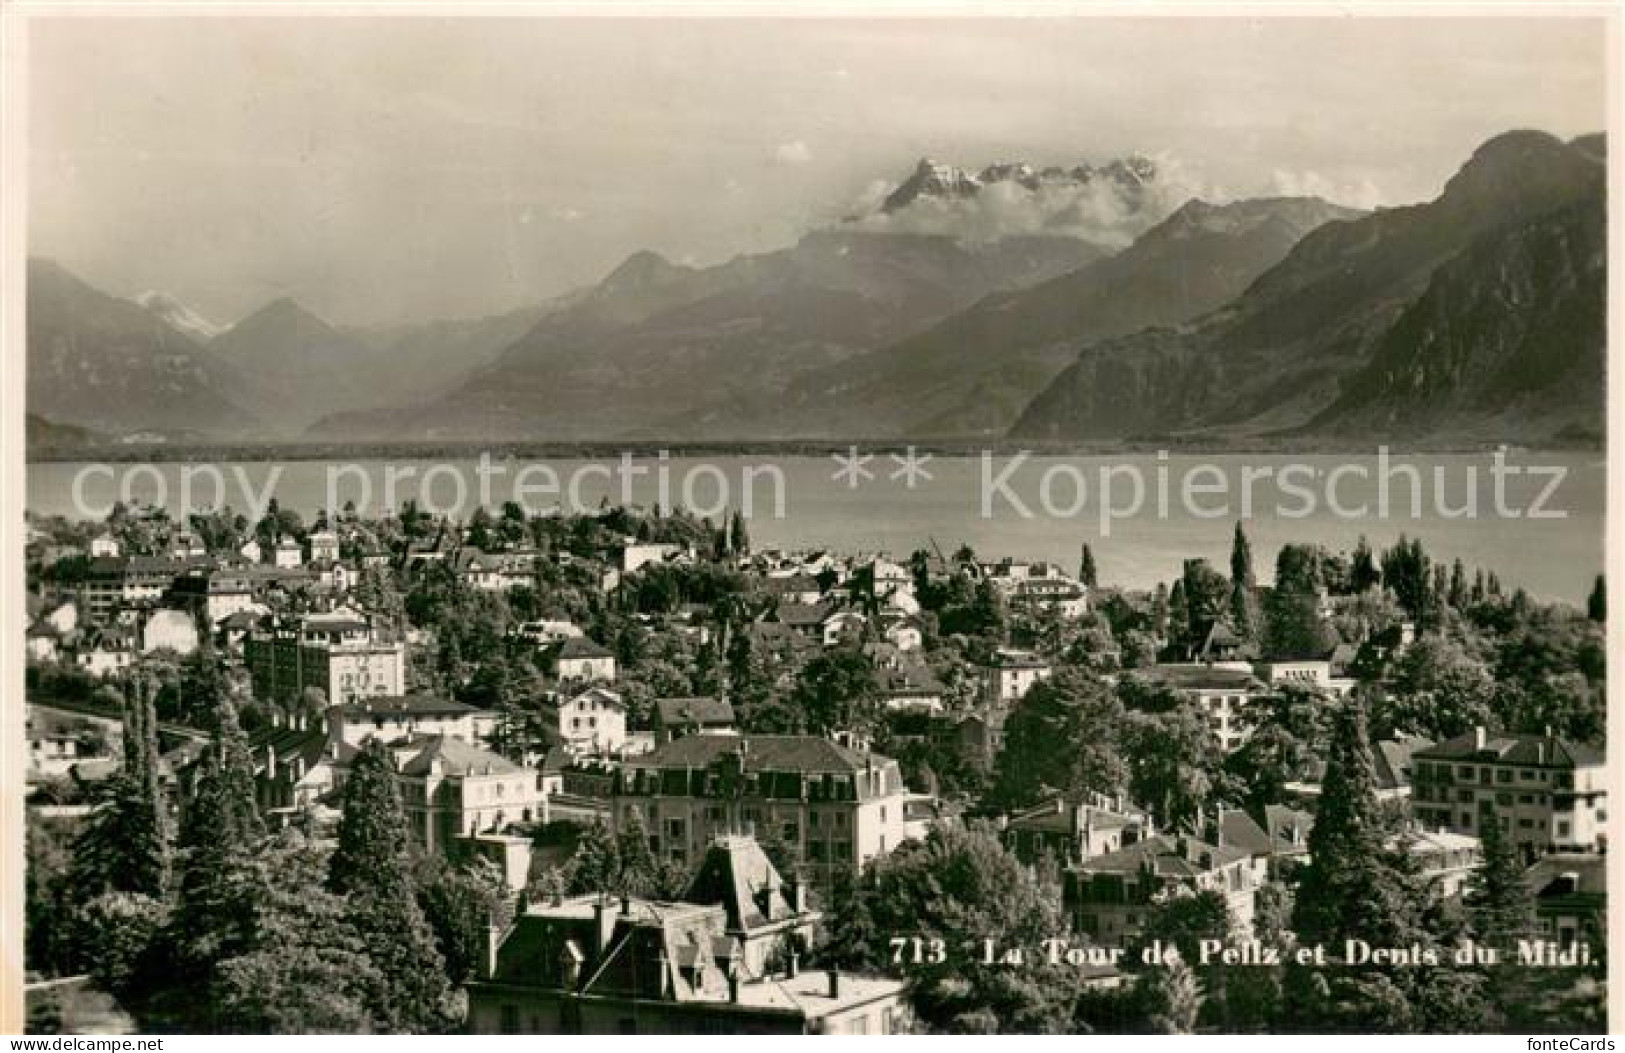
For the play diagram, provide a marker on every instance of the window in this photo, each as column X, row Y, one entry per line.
column 1562, row 829
column 1503, row 775
column 1464, row 770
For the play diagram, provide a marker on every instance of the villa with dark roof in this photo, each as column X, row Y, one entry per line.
column 676, row 717
column 453, row 790
column 581, row 660
column 835, row 807
column 394, row 717
column 1548, row 794
column 1109, row 897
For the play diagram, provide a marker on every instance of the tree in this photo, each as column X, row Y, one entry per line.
column 1087, row 574
column 1499, row 902
column 1597, row 602
column 306, row 968
column 1350, row 888
column 457, row 902
column 836, row 690
column 1172, row 998
column 218, row 897
column 1437, row 690
column 1363, row 572
column 369, row 866
column 596, row 864
column 738, row 535
column 1241, row 560
column 958, row 886
column 126, row 845
column 638, row 869
column 1173, row 758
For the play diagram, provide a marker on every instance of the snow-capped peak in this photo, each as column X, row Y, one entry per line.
column 178, row 316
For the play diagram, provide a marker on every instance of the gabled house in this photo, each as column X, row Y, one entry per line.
column 580, row 660
column 724, row 959
column 593, row 721
column 676, row 717
column 1109, row 897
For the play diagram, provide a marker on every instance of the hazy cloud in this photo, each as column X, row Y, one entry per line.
column 794, row 152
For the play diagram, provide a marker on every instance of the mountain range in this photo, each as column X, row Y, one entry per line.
column 1412, row 323
column 1084, row 304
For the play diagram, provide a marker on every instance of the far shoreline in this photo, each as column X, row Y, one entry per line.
column 295, row 452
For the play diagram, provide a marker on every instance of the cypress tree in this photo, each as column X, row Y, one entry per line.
column 133, row 831
column 1363, row 572
column 1597, row 603
column 1350, row 890
column 216, row 914
column 370, row 866
column 1241, row 561
column 637, row 864
column 1498, row 899
column 1087, row 573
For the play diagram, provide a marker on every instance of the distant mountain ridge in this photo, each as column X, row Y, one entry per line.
column 655, row 341
column 1475, row 317
column 110, row 365
column 1307, row 335
column 971, row 374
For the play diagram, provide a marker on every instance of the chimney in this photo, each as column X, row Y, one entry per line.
column 603, row 925
column 793, row 970
column 835, row 983
column 1480, row 737
column 1218, row 828
column 626, row 905
column 493, row 944
column 733, row 983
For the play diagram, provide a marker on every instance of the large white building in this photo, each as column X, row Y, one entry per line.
column 1547, row 794
column 341, row 652
column 837, row 808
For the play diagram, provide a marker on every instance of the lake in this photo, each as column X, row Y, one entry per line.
column 1534, row 518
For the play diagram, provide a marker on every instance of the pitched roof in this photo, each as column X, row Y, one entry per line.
column 581, row 647
column 799, row 753
column 421, row 704
column 1194, row 676
column 1165, row 858
column 706, row 712
column 1546, row 751
column 802, row 613
column 738, row 874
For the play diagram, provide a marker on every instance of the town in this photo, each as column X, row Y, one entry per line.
column 625, row 772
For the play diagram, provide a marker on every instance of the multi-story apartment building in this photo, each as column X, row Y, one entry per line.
column 722, row 960
column 834, row 806
column 112, row 582
column 1012, row 674
column 214, row 593
column 341, row 652
column 453, row 790
column 1547, row 794
column 1108, row 897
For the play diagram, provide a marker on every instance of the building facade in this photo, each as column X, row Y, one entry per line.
column 1547, row 794
column 837, row 808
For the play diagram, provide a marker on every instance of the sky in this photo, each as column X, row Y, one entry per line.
column 386, row 170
